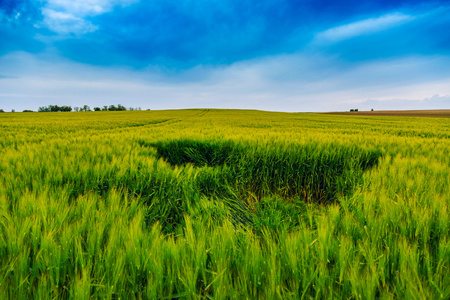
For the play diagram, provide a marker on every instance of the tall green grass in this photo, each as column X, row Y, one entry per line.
column 223, row 204
column 313, row 172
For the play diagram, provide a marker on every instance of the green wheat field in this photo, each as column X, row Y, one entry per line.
column 223, row 204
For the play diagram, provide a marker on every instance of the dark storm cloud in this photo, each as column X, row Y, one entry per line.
column 182, row 34
column 17, row 30
column 186, row 33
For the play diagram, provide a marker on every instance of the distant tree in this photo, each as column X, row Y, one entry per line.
column 86, row 108
column 105, row 108
column 55, row 108
column 97, row 109
column 1, row 110
column 371, row 109
column 112, row 108
column 356, row 109
column 121, row 107
column 12, row 110
column 65, row 108
column 352, row 110
column 76, row 108
column 27, row 110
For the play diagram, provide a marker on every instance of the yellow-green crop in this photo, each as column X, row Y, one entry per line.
column 223, row 204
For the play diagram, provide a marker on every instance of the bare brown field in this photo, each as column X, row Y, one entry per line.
column 436, row 113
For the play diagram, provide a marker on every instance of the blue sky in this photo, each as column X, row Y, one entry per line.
column 304, row 55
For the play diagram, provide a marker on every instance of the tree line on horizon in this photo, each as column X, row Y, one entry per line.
column 56, row 108
column 66, row 108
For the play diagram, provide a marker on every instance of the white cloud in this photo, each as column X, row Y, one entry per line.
column 65, row 23
column 80, row 7
column 434, row 102
column 86, row 7
column 282, row 83
column 69, row 17
column 368, row 26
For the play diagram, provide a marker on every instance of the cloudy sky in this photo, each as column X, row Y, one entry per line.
column 281, row 55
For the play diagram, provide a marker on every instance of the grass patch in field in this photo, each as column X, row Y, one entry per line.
column 267, row 186
column 307, row 172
